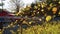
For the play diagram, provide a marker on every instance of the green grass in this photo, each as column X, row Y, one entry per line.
column 46, row 28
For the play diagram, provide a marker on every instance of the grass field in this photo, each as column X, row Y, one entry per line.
column 46, row 28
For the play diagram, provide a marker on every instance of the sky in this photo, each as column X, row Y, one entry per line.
column 5, row 3
column 25, row 2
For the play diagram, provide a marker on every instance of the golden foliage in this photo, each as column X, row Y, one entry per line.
column 48, row 18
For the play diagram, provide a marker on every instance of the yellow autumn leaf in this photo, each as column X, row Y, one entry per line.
column 48, row 18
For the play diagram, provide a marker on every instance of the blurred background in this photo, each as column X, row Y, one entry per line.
column 29, row 16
